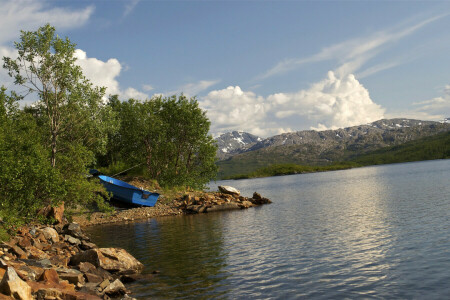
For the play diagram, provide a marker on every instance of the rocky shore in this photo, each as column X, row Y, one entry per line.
column 227, row 198
column 60, row 262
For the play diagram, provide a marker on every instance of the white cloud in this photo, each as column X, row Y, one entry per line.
column 193, row 89
column 353, row 53
column 133, row 93
column 435, row 109
column 233, row 109
column 147, row 87
column 332, row 103
column 19, row 15
column 105, row 74
column 129, row 7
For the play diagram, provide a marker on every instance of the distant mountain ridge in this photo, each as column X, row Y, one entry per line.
column 234, row 142
column 322, row 147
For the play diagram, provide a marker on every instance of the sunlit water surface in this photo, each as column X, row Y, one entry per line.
column 373, row 232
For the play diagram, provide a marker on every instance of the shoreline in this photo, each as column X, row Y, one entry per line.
column 189, row 203
column 60, row 262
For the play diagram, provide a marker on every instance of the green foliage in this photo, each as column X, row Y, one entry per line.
column 289, row 169
column 69, row 109
column 27, row 180
column 433, row 147
column 167, row 135
column 45, row 149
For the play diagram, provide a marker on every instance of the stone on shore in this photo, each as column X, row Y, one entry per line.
column 110, row 259
column 229, row 190
column 12, row 285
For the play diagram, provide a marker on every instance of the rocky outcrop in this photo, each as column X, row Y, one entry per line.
column 219, row 201
column 60, row 262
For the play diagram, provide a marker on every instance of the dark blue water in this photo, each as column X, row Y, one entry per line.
column 374, row 232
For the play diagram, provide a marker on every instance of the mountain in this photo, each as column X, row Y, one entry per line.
column 235, row 142
column 311, row 147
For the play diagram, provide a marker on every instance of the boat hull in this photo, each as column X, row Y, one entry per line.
column 128, row 193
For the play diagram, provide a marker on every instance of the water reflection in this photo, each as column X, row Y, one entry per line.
column 378, row 232
column 188, row 252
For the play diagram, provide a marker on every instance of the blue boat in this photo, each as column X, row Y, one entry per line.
column 128, row 193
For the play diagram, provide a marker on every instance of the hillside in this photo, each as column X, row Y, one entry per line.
column 428, row 148
column 325, row 147
column 231, row 143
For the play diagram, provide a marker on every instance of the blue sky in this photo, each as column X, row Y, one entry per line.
column 264, row 67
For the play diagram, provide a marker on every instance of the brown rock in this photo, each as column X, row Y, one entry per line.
column 49, row 275
column 4, row 297
column 116, row 288
column 72, row 240
column 246, row 204
column 110, row 259
column 57, row 213
column 87, row 245
column 93, row 278
column 35, row 253
column 50, row 234
column 60, row 260
column 25, row 242
column 12, row 285
column 19, row 252
column 71, row 275
column 104, row 284
column 227, row 206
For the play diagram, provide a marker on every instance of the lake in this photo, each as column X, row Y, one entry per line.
column 372, row 232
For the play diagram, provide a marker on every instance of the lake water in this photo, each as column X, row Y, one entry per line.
column 373, row 232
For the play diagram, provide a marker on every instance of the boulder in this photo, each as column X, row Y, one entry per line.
column 115, row 288
column 49, row 275
column 257, row 199
column 226, row 206
column 229, row 190
column 12, row 285
column 71, row 275
column 72, row 240
column 50, row 234
column 110, row 259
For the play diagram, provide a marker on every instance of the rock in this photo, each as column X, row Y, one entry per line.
column 93, row 278
column 3, row 264
column 110, row 259
column 246, row 204
column 72, row 240
column 74, row 229
column 25, row 242
column 50, row 234
column 19, row 252
column 35, row 253
column 104, row 284
column 87, row 245
column 42, row 263
column 229, row 190
column 115, row 288
column 257, row 199
column 60, row 260
column 227, row 206
column 49, row 275
column 71, row 275
column 57, row 213
column 12, row 285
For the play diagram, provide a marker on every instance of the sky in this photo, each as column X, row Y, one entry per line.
column 263, row 67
